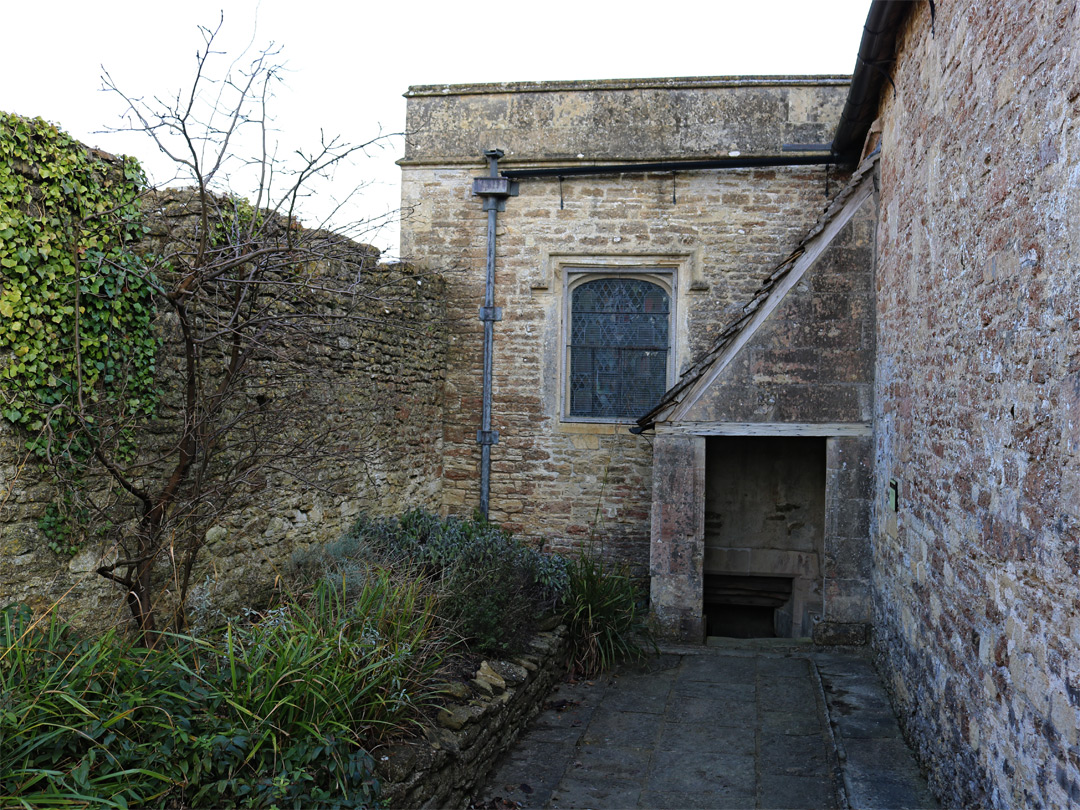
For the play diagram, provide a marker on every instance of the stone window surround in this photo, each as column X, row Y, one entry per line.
column 672, row 271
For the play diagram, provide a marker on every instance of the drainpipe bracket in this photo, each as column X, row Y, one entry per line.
column 491, row 313
column 494, row 190
column 494, row 187
column 487, row 437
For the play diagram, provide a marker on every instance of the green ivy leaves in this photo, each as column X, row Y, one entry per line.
column 76, row 303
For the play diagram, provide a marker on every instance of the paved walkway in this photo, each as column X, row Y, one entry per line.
column 746, row 725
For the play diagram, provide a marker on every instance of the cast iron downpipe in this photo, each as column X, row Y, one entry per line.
column 493, row 190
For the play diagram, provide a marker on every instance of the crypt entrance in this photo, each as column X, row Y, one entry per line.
column 762, row 530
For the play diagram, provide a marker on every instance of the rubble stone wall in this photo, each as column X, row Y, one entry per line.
column 479, row 723
column 380, row 372
column 977, row 603
column 566, row 482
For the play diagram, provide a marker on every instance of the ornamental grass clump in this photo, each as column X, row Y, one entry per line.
column 605, row 614
column 346, row 662
column 279, row 712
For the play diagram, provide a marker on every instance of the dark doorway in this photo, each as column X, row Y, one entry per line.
column 744, row 606
column 764, row 534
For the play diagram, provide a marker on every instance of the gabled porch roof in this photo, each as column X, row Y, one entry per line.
column 704, row 371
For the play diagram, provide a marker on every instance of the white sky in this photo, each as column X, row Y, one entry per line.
column 350, row 62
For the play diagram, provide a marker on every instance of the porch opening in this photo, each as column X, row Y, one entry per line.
column 764, row 535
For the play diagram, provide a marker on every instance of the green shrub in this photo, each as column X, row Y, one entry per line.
column 605, row 617
column 74, row 718
column 491, row 586
column 490, row 601
column 273, row 713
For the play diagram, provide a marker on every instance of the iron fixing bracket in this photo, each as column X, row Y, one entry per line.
column 491, row 313
column 487, row 437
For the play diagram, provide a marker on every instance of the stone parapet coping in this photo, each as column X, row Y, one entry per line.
column 451, row 162
column 675, row 83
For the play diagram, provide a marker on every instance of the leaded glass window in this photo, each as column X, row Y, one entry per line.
column 619, row 343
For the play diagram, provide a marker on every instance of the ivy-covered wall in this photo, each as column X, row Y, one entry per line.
column 75, row 299
column 67, row 213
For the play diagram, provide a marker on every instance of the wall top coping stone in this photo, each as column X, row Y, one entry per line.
column 690, row 82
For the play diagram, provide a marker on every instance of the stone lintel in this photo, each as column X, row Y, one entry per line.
column 827, row 429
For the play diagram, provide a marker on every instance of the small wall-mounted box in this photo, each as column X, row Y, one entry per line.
column 494, row 187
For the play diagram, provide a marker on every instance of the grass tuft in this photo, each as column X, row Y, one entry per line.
column 606, row 618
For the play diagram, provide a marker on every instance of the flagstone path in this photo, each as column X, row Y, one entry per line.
column 745, row 725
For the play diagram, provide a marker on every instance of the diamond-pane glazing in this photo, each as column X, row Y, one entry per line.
column 619, row 340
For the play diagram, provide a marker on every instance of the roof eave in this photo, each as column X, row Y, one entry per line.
column 877, row 51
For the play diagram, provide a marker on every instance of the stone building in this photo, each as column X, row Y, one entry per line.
column 804, row 351
column 628, row 252
column 976, row 574
column 870, row 413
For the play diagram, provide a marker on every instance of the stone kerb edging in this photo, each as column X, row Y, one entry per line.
column 483, row 718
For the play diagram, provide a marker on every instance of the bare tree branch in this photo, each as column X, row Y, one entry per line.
column 250, row 305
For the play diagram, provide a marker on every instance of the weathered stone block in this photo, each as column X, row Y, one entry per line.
column 679, row 624
column 848, row 558
column 842, row 633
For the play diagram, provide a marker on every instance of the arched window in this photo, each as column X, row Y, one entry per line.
column 619, row 339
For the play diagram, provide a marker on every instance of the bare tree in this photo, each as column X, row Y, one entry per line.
column 250, row 304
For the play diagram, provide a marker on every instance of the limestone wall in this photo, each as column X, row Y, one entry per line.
column 379, row 374
column 628, row 119
column 718, row 232
column 978, row 399
column 813, row 359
